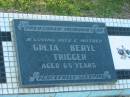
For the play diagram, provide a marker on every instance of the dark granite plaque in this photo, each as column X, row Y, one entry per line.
column 62, row 52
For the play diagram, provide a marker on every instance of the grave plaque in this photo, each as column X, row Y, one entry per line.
column 62, row 52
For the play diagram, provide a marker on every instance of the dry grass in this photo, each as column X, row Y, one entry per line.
column 95, row 8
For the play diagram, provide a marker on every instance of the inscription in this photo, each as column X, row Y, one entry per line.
column 70, row 57
column 51, row 47
column 68, row 65
column 82, row 48
column 43, row 47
